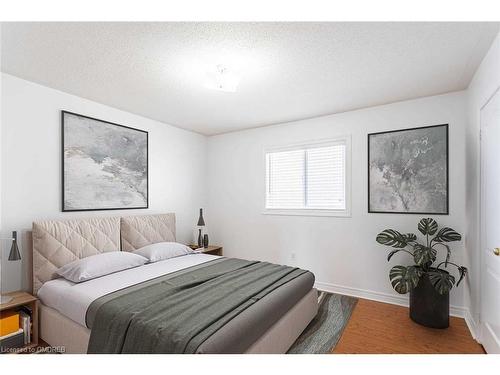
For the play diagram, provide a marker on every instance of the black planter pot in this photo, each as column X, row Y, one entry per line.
column 428, row 307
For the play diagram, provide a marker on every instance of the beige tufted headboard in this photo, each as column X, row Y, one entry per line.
column 139, row 231
column 57, row 242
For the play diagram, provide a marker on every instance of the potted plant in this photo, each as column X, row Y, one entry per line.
column 429, row 286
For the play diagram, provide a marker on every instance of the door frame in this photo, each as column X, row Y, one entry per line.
column 481, row 328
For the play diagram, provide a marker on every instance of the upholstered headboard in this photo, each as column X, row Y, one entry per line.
column 139, row 231
column 56, row 243
column 59, row 242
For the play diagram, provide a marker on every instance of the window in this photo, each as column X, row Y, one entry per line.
column 308, row 179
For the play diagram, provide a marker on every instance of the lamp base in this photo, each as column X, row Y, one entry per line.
column 5, row 299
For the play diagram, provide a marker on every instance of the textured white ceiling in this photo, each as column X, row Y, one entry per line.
column 288, row 71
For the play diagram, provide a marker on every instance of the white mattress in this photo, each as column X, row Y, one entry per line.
column 72, row 300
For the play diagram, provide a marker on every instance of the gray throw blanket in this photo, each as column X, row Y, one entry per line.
column 176, row 314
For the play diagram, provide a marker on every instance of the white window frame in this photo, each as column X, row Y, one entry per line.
column 344, row 139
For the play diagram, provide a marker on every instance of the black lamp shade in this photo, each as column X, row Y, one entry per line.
column 14, row 250
column 201, row 222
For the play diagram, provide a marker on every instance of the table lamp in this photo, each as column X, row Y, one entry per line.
column 13, row 256
column 201, row 223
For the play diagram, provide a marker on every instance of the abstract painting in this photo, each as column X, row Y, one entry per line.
column 408, row 171
column 105, row 165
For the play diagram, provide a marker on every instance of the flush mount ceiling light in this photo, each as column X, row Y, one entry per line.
column 222, row 78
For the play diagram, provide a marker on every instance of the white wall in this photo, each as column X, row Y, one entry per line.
column 342, row 252
column 483, row 85
column 31, row 166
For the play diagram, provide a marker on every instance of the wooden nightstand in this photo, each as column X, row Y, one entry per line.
column 214, row 250
column 24, row 299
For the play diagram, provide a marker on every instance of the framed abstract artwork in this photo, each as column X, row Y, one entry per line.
column 104, row 165
column 408, row 171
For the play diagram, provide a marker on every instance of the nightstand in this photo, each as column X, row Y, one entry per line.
column 19, row 300
column 214, row 250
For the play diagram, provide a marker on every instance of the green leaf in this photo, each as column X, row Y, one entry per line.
column 427, row 226
column 447, row 235
column 404, row 278
column 442, row 281
column 391, row 237
column 463, row 271
column 423, row 254
column 410, row 237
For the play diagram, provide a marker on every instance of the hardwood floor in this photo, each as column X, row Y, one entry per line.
column 380, row 328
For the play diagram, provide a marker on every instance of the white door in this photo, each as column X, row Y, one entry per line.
column 490, row 225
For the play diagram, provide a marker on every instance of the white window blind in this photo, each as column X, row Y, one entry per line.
column 307, row 177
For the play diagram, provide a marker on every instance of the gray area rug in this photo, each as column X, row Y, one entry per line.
column 324, row 331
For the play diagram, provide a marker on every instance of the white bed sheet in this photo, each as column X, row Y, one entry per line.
column 72, row 300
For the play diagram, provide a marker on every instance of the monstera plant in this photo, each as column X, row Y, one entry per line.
column 428, row 284
column 424, row 254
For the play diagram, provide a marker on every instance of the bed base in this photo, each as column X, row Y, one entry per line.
column 60, row 331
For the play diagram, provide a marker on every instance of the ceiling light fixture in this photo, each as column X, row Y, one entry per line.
column 223, row 79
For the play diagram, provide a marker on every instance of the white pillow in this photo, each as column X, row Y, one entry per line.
column 163, row 250
column 100, row 265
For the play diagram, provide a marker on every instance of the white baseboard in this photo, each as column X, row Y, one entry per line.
column 381, row 297
column 471, row 323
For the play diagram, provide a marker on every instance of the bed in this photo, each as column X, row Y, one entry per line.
column 68, row 313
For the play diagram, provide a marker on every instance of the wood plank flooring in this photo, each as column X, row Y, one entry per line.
column 381, row 328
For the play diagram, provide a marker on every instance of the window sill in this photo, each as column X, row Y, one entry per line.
column 306, row 212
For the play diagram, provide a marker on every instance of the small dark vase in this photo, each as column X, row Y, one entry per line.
column 428, row 307
column 200, row 239
column 205, row 241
